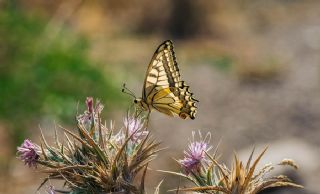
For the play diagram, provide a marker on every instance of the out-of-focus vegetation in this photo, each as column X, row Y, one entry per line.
column 42, row 75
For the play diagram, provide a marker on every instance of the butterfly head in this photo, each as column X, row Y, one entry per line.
column 141, row 103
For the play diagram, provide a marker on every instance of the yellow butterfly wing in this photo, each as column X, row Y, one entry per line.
column 163, row 89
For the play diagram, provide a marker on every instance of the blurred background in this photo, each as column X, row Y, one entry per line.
column 254, row 65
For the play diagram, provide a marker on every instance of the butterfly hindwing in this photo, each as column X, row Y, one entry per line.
column 165, row 102
column 163, row 88
column 175, row 102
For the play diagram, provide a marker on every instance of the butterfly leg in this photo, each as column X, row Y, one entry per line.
column 148, row 117
column 138, row 113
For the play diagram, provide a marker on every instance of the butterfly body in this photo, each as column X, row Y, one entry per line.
column 163, row 89
column 142, row 104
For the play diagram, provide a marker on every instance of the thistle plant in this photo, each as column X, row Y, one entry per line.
column 97, row 158
column 210, row 176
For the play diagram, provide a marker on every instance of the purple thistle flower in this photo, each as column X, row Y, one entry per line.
column 29, row 153
column 91, row 114
column 91, row 109
column 135, row 128
column 89, row 103
column 195, row 155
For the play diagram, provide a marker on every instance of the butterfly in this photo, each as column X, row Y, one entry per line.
column 163, row 88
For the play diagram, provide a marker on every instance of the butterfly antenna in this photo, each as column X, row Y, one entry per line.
column 127, row 91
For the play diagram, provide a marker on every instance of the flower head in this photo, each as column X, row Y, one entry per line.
column 195, row 155
column 91, row 114
column 29, row 153
column 89, row 103
column 135, row 128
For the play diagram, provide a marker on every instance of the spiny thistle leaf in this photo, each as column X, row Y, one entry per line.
column 157, row 190
column 252, row 169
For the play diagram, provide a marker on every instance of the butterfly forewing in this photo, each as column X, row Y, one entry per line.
column 163, row 88
column 163, row 70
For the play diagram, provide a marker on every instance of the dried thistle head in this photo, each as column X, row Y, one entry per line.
column 246, row 180
column 99, row 159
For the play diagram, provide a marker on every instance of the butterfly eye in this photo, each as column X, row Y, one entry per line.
column 135, row 101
